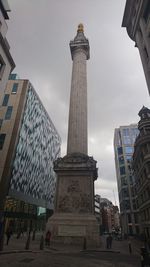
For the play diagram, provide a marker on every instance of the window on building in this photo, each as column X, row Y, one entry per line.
column 5, row 100
column 127, row 205
column 128, row 149
column 120, row 151
column 13, row 76
column 146, row 14
column 126, row 136
column 1, row 122
column 125, row 192
column 129, row 218
column 121, row 160
column 8, row 113
column 122, row 170
column 126, row 132
column 14, row 88
column 128, row 158
column 2, row 140
column 127, row 140
column 123, row 181
column 134, row 133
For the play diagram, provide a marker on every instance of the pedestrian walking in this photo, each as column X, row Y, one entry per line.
column 130, row 247
column 145, row 260
column 42, row 243
column 109, row 241
column 47, row 238
column 8, row 235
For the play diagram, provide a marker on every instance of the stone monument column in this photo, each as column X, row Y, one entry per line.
column 77, row 129
column 73, row 220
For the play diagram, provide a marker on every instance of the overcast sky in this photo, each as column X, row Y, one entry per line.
column 39, row 35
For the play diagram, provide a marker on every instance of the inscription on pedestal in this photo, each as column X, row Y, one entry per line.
column 73, row 230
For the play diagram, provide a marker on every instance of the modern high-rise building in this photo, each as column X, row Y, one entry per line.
column 136, row 19
column 29, row 144
column 141, row 167
column 124, row 139
column 6, row 62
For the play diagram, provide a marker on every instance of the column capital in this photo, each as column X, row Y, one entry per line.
column 80, row 43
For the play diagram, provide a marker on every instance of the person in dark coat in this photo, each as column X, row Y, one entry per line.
column 8, row 234
column 109, row 241
column 47, row 238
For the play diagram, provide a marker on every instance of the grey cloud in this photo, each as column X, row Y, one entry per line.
column 39, row 35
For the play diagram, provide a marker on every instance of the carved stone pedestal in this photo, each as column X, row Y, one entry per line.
column 73, row 219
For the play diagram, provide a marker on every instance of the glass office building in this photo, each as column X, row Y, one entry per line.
column 30, row 146
column 124, row 139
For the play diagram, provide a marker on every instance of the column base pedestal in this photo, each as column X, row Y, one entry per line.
column 74, row 229
column 73, row 221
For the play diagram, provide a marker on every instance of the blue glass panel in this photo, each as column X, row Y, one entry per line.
column 129, row 157
column 126, row 132
column 128, row 149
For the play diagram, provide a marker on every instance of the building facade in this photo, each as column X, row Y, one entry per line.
column 124, row 139
column 29, row 143
column 6, row 62
column 109, row 216
column 136, row 19
column 141, row 166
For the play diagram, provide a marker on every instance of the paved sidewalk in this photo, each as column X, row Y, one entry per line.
column 123, row 246
column 20, row 244
column 44, row 259
column 15, row 255
column 117, row 246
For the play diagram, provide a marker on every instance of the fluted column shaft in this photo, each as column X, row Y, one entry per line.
column 77, row 129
